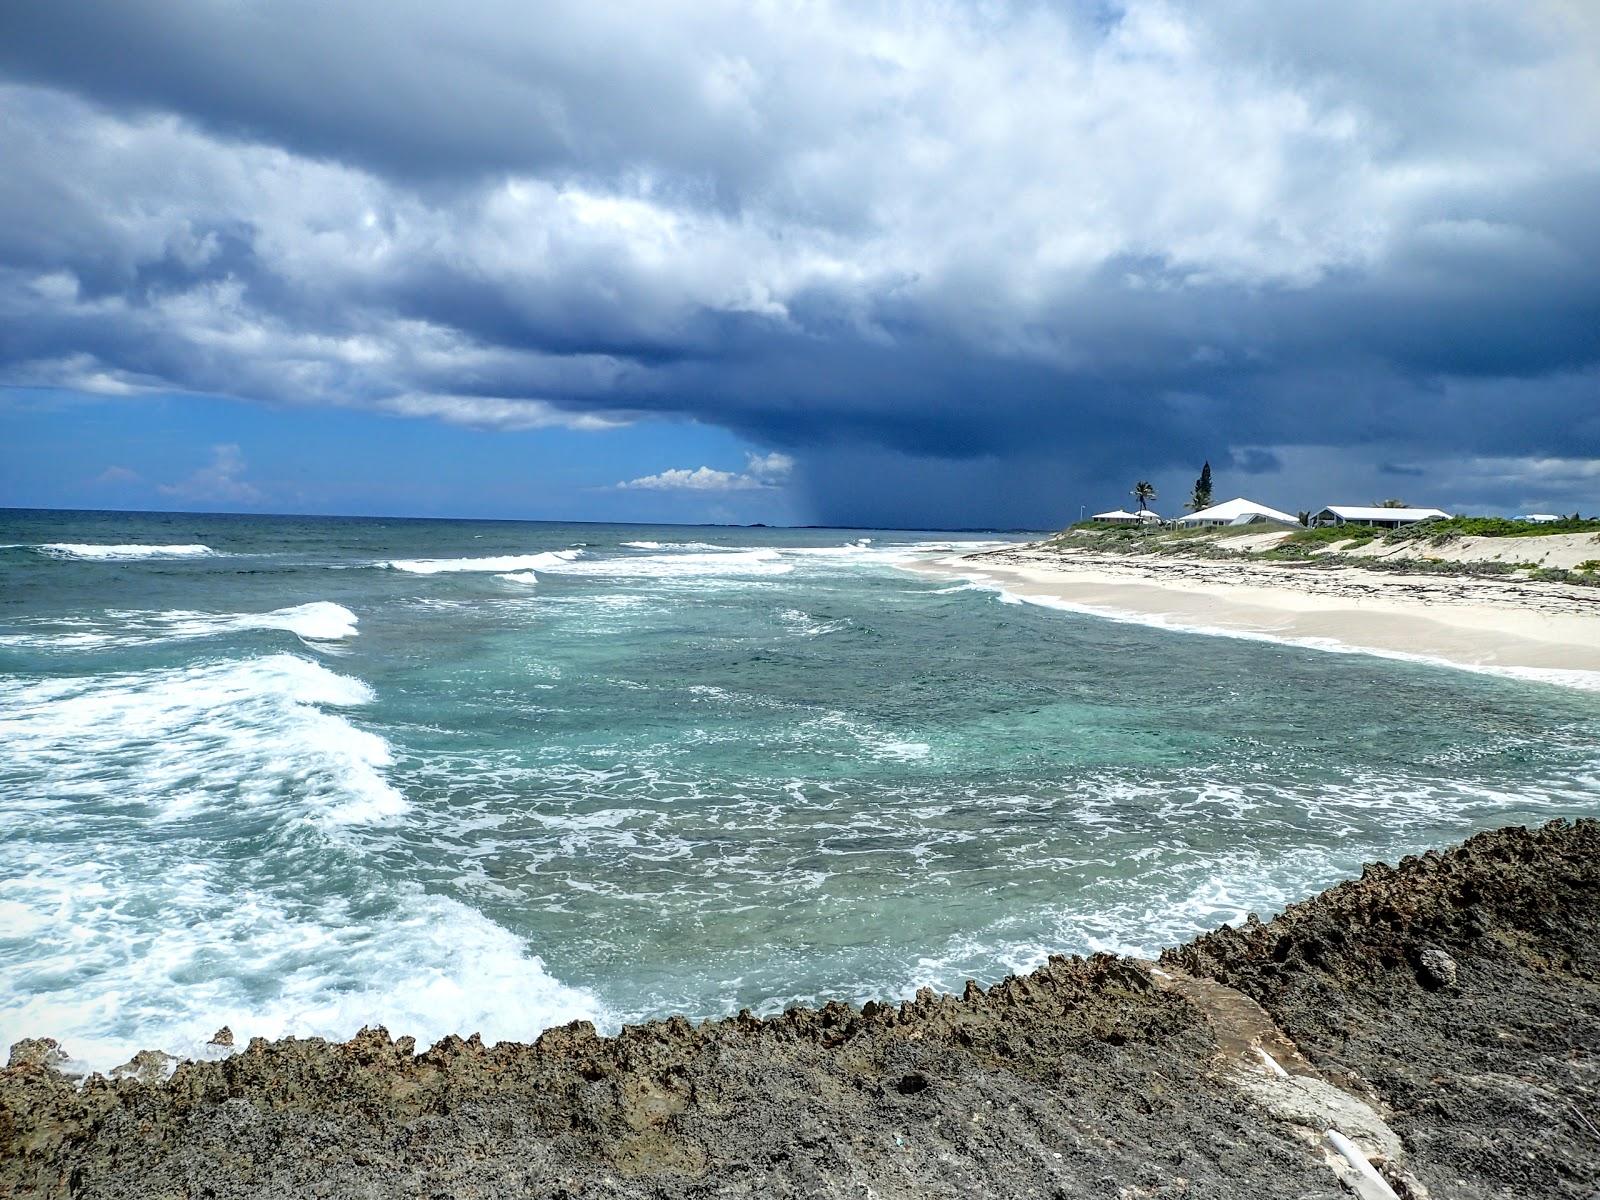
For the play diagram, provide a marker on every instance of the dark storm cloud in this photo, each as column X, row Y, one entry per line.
column 1010, row 255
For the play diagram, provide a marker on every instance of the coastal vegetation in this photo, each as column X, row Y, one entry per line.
column 1443, row 530
column 1329, row 535
column 1397, row 551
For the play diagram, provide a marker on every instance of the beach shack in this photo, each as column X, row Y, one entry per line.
column 1118, row 517
column 1381, row 518
column 1237, row 511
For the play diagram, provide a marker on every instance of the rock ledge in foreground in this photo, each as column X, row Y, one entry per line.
column 1088, row 1077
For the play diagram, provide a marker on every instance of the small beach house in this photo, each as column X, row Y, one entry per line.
column 1237, row 511
column 1118, row 517
column 1382, row 518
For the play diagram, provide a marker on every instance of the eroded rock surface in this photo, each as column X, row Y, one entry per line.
column 1085, row 1078
column 1463, row 989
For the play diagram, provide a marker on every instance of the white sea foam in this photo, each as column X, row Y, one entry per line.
column 320, row 621
column 118, row 964
column 198, row 858
column 809, row 626
column 238, row 733
column 690, row 564
column 859, row 546
column 705, row 546
column 523, row 577
column 122, row 553
column 499, row 564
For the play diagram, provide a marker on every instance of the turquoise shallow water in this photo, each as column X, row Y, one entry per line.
column 296, row 775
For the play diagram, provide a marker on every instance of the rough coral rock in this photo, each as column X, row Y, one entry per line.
column 1085, row 1078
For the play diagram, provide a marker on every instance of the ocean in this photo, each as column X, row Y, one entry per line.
column 298, row 775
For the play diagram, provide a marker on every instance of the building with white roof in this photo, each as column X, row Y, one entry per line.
column 1117, row 517
column 1383, row 518
column 1237, row 511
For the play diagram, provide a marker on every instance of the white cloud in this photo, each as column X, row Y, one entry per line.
column 761, row 471
column 220, row 479
column 700, row 479
column 492, row 412
column 772, row 468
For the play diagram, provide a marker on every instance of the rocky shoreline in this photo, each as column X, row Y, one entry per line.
column 1443, row 1016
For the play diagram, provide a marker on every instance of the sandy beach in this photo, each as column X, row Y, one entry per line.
column 1548, row 629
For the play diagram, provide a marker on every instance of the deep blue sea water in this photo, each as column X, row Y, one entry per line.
column 296, row 775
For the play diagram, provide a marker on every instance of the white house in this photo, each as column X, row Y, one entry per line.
column 1383, row 518
column 1238, row 511
column 1539, row 518
column 1117, row 517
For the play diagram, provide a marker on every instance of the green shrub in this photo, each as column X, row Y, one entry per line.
column 1327, row 535
column 1453, row 527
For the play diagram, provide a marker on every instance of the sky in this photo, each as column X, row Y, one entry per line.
column 920, row 263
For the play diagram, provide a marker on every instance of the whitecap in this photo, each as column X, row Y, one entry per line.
column 236, row 732
column 140, row 916
column 702, row 546
column 122, row 553
column 499, row 564
column 753, row 562
column 806, row 625
column 319, row 621
column 264, row 965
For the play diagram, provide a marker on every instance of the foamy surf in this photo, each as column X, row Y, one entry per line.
column 689, row 546
column 316, row 623
column 500, row 564
column 272, row 964
column 244, row 734
column 121, row 553
column 685, row 565
column 573, row 791
column 128, row 928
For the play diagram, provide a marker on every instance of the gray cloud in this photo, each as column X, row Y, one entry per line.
column 999, row 257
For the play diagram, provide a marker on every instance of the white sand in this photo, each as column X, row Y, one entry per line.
column 1552, row 630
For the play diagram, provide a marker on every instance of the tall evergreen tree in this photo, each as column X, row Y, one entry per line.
column 1201, row 496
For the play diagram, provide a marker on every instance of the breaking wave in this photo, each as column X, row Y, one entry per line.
column 497, row 565
column 124, row 553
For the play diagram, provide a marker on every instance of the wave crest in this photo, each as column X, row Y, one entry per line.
column 122, row 553
column 496, row 565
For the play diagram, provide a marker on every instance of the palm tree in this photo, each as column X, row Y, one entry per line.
column 1143, row 492
column 1393, row 504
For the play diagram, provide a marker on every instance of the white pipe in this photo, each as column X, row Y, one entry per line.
column 1272, row 1064
column 1351, row 1153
